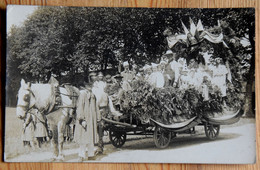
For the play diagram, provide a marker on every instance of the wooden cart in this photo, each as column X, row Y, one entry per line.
column 162, row 134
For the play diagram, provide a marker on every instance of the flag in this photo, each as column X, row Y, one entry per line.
column 213, row 38
column 186, row 31
column 192, row 27
column 218, row 23
column 200, row 26
column 172, row 40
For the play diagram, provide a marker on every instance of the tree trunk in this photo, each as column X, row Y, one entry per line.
column 48, row 76
column 249, row 110
column 86, row 74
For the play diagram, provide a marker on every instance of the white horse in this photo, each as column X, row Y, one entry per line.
column 42, row 98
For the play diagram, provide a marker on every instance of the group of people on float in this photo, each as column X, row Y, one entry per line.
column 213, row 74
column 170, row 71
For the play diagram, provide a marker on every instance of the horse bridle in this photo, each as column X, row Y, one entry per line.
column 27, row 108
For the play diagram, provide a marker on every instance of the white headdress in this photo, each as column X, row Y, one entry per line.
column 154, row 65
column 125, row 63
column 169, row 52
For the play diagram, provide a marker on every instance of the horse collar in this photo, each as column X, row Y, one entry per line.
column 56, row 100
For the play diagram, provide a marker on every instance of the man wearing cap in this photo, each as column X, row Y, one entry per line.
column 175, row 70
column 86, row 121
column 102, row 98
column 92, row 77
column 117, row 90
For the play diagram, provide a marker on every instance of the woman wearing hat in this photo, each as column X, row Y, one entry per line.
column 127, row 74
column 100, row 83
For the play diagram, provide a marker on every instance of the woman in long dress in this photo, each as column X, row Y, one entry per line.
column 40, row 128
column 220, row 72
column 28, row 130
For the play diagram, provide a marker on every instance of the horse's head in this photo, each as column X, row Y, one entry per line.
column 25, row 101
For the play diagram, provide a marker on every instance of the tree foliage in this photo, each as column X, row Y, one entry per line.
column 65, row 41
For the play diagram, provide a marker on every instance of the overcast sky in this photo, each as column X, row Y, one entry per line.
column 16, row 14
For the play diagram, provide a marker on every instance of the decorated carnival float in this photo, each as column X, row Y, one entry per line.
column 191, row 85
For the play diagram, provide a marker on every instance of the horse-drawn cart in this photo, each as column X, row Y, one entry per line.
column 162, row 133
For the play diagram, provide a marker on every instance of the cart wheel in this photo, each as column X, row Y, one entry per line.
column 162, row 137
column 117, row 138
column 211, row 131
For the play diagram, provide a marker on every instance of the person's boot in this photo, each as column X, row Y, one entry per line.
column 92, row 158
column 99, row 150
column 39, row 143
column 80, row 159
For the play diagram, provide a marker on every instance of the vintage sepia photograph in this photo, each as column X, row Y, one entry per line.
column 141, row 85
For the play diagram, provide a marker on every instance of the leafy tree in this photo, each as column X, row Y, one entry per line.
column 66, row 41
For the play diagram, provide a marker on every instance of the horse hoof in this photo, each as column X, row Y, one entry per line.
column 53, row 159
column 61, row 158
column 99, row 151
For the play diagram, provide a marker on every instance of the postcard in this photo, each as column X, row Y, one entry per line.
column 142, row 85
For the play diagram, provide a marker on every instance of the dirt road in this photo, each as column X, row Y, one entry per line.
column 235, row 144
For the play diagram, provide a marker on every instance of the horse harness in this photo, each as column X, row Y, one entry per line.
column 56, row 101
column 72, row 94
column 27, row 98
